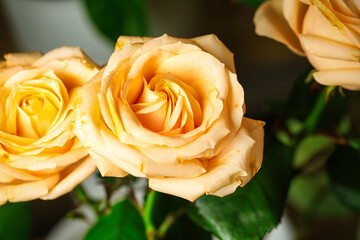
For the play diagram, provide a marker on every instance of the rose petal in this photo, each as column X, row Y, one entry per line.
column 26, row 191
column 63, row 53
column 73, row 72
column 326, row 20
column 212, row 44
column 106, row 167
column 97, row 136
column 238, row 162
column 320, row 47
column 16, row 173
column 186, row 169
column 125, row 40
column 331, row 64
column 21, row 59
column 347, row 78
column 270, row 22
column 48, row 161
column 229, row 189
column 71, row 177
column 316, row 24
column 294, row 12
column 6, row 73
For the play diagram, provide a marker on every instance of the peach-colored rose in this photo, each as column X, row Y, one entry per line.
column 171, row 110
column 40, row 156
column 326, row 31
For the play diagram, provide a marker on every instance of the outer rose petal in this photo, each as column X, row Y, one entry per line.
column 294, row 12
column 347, row 78
column 319, row 46
column 209, row 43
column 106, row 167
column 21, row 59
column 124, row 40
column 235, row 165
column 74, row 72
column 270, row 22
column 87, row 128
column 71, row 177
column 26, row 191
column 64, row 53
column 212, row 44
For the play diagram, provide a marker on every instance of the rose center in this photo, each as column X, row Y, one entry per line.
column 167, row 105
column 32, row 104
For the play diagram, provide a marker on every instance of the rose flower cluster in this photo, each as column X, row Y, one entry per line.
column 167, row 109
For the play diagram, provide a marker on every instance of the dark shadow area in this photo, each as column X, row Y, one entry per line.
column 7, row 41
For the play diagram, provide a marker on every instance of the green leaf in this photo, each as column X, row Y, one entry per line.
column 15, row 219
column 294, row 126
column 123, row 223
column 166, row 204
column 118, row 17
column 311, row 195
column 255, row 209
column 355, row 143
column 343, row 168
column 183, row 227
column 310, row 147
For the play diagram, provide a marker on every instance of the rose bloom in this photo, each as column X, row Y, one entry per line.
column 326, row 31
column 40, row 155
column 171, row 110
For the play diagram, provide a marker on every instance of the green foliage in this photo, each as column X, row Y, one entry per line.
column 255, row 209
column 302, row 97
column 118, row 17
column 343, row 168
column 15, row 219
column 312, row 147
column 182, row 228
column 123, row 223
column 311, row 195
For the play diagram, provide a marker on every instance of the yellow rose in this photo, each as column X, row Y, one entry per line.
column 40, row 156
column 326, row 31
column 171, row 110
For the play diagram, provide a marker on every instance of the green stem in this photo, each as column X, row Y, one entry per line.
column 315, row 114
column 168, row 222
column 84, row 198
column 148, row 213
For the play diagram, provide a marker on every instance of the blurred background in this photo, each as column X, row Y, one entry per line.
column 265, row 68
